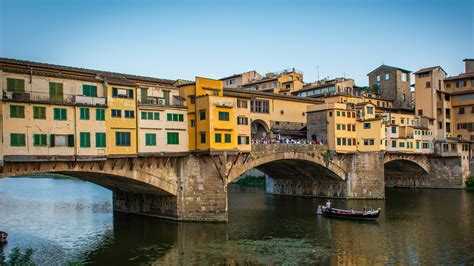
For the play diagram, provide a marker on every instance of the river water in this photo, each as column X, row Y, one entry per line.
column 67, row 220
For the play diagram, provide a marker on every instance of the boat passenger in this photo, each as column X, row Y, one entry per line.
column 328, row 204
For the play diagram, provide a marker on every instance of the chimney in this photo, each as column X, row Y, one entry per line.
column 468, row 65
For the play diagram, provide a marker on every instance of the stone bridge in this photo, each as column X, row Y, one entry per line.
column 193, row 187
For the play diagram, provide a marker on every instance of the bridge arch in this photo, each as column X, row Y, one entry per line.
column 115, row 175
column 406, row 171
column 277, row 160
column 259, row 128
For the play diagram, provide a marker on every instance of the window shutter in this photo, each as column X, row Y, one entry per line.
column 51, row 140
column 130, row 94
column 70, row 140
column 114, row 92
column 157, row 116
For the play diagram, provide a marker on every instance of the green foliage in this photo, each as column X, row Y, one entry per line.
column 251, row 181
column 326, row 156
column 374, row 89
column 17, row 257
column 470, row 183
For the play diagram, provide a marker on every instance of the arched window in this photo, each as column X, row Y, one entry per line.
column 404, row 98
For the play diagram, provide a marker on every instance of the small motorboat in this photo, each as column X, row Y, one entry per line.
column 3, row 237
column 348, row 214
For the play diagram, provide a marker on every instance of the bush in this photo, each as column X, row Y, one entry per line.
column 17, row 257
column 470, row 183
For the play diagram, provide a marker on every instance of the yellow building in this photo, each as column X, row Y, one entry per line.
column 213, row 118
column 162, row 119
column 50, row 114
column 284, row 82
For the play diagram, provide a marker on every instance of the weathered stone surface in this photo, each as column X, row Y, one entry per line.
column 194, row 187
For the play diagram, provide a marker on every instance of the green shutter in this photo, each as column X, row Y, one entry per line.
column 144, row 116
column 150, row 115
column 17, row 111
column 227, row 138
column 169, row 117
column 166, row 95
column 60, row 114
column 56, row 92
column 172, row 138
column 85, row 139
column 51, row 140
column 15, row 85
column 99, row 114
column 100, row 140
column 70, row 140
column 157, row 116
column 39, row 140
column 181, row 117
column 39, row 112
column 84, row 113
column 144, row 95
column 17, row 140
column 175, row 117
column 150, row 139
column 218, row 138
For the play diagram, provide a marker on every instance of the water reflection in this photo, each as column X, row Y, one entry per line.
column 69, row 220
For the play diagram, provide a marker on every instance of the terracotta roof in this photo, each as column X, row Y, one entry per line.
column 67, row 70
column 461, row 76
column 260, row 81
column 429, row 69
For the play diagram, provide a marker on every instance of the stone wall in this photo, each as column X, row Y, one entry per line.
column 202, row 193
column 145, row 204
column 323, row 187
column 365, row 175
column 317, row 126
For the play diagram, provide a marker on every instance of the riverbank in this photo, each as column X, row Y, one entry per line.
column 251, row 181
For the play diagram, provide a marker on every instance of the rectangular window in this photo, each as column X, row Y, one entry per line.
column 100, row 114
column 370, row 110
column 259, row 106
column 366, row 125
column 89, row 90
column 461, row 110
column 338, row 113
column 84, row 113
column 172, row 138
column 377, row 78
column 122, row 138
column 60, row 114
column 116, row 113
column 39, row 112
column 122, row 93
column 156, row 116
column 61, row 140
column 242, row 104
column 40, row 140
column 218, row 138
column 56, row 92
column 394, row 130
column 387, row 76
column 193, row 123
column 227, row 138
column 166, row 96
column 15, row 85
column 203, row 138
column 17, row 140
column 401, row 144
column 202, row 115
column 129, row 114
column 343, row 114
column 150, row 139
column 17, row 111
column 224, row 116
column 100, row 140
column 85, row 139
column 338, row 141
column 344, row 141
column 404, row 77
column 394, row 143
column 175, row 117
column 338, row 126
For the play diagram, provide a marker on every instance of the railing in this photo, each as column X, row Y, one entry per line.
column 52, row 98
column 162, row 102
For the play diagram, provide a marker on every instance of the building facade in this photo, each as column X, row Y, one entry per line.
column 393, row 84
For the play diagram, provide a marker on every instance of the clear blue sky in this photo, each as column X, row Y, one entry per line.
column 184, row 39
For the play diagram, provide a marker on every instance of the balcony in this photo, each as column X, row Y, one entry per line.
column 176, row 101
column 45, row 97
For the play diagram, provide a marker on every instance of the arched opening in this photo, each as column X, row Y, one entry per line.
column 259, row 129
column 296, row 177
column 404, row 173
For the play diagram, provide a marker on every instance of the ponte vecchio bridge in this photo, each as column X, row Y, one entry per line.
column 193, row 187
